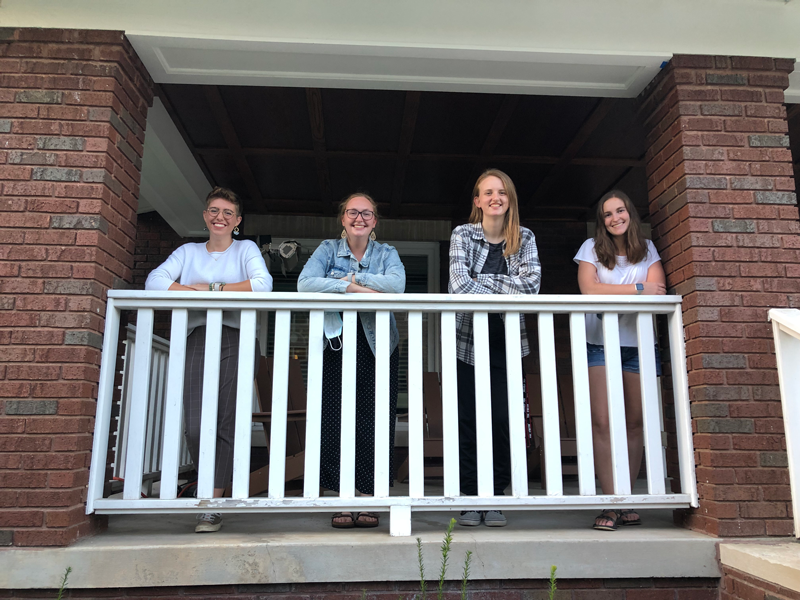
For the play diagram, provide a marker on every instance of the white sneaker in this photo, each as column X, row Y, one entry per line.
column 208, row 522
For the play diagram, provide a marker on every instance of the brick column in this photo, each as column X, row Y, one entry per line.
column 723, row 208
column 73, row 106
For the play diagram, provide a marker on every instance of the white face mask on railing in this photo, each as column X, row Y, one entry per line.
column 333, row 327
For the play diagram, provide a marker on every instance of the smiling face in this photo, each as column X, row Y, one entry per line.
column 224, row 221
column 616, row 217
column 359, row 227
column 492, row 197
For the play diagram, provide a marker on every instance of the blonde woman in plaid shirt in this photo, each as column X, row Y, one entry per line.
column 492, row 254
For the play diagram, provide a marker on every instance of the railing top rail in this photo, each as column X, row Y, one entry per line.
column 787, row 318
column 126, row 299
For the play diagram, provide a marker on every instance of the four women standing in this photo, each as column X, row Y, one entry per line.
column 492, row 254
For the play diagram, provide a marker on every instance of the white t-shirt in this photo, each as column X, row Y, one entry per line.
column 623, row 273
column 192, row 263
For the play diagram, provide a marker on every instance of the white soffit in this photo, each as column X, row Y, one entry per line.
column 172, row 183
column 303, row 64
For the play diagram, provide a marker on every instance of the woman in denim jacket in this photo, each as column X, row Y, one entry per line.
column 356, row 263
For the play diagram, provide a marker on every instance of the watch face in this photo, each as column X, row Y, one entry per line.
column 639, row 287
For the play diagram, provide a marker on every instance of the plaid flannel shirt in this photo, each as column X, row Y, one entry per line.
column 468, row 252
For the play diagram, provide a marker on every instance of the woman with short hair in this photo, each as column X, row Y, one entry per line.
column 220, row 264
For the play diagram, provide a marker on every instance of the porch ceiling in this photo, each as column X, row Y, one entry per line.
column 300, row 150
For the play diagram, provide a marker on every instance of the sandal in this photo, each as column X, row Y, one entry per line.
column 373, row 522
column 349, row 524
column 634, row 520
column 606, row 516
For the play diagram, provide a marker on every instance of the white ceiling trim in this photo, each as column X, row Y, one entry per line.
column 429, row 68
column 172, row 182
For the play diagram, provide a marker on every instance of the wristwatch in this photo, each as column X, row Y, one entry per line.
column 639, row 288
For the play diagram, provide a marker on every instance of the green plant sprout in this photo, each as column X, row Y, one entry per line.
column 63, row 585
column 552, row 591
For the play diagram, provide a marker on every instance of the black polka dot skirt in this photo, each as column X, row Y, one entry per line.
column 330, row 445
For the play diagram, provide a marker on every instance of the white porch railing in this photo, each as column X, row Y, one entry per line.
column 786, row 331
column 537, row 307
column 154, row 437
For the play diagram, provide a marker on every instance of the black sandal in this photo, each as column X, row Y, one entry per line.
column 343, row 524
column 368, row 515
column 605, row 515
column 629, row 522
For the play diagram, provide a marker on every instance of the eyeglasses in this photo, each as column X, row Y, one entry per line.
column 352, row 213
column 214, row 211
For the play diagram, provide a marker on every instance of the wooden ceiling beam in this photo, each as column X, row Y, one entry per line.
column 317, row 120
column 223, row 119
column 792, row 111
column 410, row 111
column 600, row 112
column 498, row 127
column 173, row 114
column 599, row 161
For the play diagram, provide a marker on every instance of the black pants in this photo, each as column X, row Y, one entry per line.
column 467, row 437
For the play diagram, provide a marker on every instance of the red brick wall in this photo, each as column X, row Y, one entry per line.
column 736, row 585
column 521, row 589
column 73, row 106
column 725, row 220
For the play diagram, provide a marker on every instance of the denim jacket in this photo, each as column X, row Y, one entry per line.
column 380, row 270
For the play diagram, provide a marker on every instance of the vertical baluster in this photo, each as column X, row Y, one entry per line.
column 347, row 475
column 550, row 412
column 244, row 405
column 280, row 400
column 583, row 410
column 516, row 406
column 316, row 347
column 152, row 410
column 683, row 418
column 650, row 412
column 787, row 353
column 483, row 405
column 125, row 406
column 173, row 426
column 616, row 405
column 105, row 397
column 416, row 455
column 382, row 351
column 158, row 433
column 208, row 414
column 449, row 405
column 138, row 414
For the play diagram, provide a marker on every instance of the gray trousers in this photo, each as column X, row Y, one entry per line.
column 226, row 407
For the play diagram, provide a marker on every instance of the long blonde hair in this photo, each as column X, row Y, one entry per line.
column 635, row 242
column 511, row 230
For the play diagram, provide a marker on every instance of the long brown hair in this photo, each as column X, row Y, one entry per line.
column 511, row 230
column 635, row 242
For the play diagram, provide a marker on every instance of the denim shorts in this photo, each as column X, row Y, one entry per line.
column 630, row 358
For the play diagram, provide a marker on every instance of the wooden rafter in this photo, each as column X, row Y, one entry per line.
column 317, row 120
column 792, row 111
column 410, row 111
column 228, row 131
column 600, row 111
column 504, row 158
column 501, row 119
column 173, row 114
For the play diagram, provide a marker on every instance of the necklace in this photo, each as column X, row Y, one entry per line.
column 218, row 254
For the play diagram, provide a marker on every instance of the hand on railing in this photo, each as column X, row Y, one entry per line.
column 354, row 288
column 654, row 288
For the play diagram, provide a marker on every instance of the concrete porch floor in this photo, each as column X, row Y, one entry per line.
column 163, row 550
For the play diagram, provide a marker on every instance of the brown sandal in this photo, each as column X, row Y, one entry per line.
column 634, row 519
column 349, row 524
column 368, row 515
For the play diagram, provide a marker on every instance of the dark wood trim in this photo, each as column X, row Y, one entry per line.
column 600, row 111
column 223, row 119
column 792, row 111
column 317, row 121
column 410, row 111
column 498, row 158
column 165, row 100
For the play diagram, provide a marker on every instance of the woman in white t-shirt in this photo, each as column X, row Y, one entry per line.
column 220, row 264
column 617, row 260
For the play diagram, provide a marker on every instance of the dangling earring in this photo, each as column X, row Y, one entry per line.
column 344, row 234
column 372, row 236
column 236, row 230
